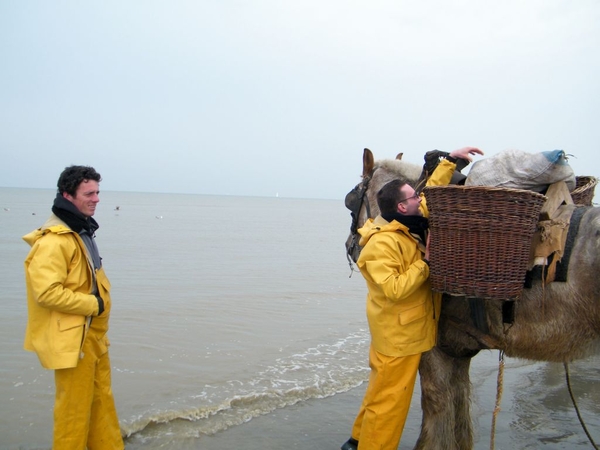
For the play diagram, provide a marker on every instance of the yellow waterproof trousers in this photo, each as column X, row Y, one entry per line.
column 384, row 409
column 84, row 408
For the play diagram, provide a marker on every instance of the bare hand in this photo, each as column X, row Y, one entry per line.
column 465, row 153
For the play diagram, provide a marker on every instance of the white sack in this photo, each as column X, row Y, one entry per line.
column 521, row 170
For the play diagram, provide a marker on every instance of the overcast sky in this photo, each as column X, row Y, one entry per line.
column 273, row 96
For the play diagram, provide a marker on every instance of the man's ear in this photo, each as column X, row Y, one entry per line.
column 401, row 208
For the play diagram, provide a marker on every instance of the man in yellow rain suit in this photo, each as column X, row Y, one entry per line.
column 68, row 301
column 402, row 311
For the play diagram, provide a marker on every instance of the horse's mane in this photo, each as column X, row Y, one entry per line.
column 399, row 169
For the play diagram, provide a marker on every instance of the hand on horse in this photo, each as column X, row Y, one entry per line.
column 465, row 153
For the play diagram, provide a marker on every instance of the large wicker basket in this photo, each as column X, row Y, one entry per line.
column 584, row 190
column 481, row 239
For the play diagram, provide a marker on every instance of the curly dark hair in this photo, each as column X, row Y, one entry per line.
column 72, row 176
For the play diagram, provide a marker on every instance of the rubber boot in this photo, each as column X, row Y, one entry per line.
column 350, row 444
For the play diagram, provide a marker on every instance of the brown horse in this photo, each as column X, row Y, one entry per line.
column 557, row 322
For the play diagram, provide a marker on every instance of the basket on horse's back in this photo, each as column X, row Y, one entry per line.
column 481, row 239
column 583, row 194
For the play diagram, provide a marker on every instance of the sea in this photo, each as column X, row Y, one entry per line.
column 237, row 322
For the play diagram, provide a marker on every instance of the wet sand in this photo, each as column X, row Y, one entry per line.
column 536, row 412
column 315, row 424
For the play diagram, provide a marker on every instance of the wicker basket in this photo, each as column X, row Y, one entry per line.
column 584, row 190
column 481, row 239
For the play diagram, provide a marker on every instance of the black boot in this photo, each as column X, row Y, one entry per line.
column 350, row 444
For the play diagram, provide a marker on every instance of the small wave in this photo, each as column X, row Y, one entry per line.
column 318, row 372
column 235, row 411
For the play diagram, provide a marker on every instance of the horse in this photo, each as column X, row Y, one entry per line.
column 557, row 322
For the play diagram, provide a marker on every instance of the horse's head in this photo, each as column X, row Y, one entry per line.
column 362, row 200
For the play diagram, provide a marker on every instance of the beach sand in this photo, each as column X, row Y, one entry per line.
column 316, row 424
column 536, row 412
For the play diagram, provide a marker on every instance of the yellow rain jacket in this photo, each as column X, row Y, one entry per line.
column 402, row 311
column 59, row 278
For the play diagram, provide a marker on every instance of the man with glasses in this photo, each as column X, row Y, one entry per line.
column 402, row 310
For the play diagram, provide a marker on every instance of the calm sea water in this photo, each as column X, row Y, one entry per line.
column 228, row 309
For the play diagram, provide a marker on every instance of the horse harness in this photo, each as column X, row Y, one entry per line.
column 562, row 265
column 354, row 201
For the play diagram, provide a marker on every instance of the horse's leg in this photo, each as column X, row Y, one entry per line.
column 445, row 401
column 461, row 384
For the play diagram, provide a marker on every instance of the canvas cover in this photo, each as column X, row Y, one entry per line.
column 521, row 170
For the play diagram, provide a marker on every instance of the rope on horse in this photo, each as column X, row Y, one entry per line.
column 498, row 397
column 566, row 365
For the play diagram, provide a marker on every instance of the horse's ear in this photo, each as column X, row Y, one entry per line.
column 399, row 156
column 368, row 162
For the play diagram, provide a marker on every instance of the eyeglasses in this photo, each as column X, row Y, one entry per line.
column 415, row 196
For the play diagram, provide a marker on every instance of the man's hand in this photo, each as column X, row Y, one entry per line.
column 465, row 153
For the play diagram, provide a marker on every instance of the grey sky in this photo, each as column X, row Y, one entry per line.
column 266, row 97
